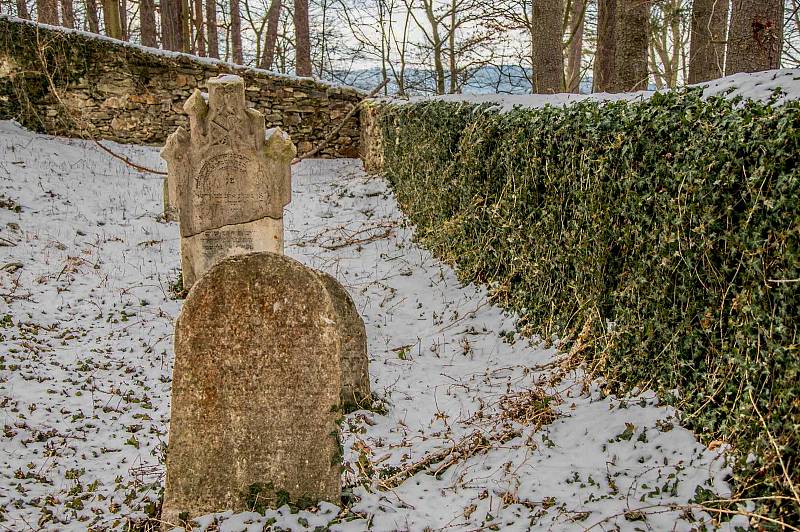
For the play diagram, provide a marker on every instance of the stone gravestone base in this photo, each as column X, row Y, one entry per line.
column 201, row 251
column 266, row 349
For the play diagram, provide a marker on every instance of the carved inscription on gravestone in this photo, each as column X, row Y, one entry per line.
column 218, row 242
column 227, row 178
column 256, row 389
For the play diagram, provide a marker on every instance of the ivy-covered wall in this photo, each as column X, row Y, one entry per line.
column 665, row 234
column 78, row 84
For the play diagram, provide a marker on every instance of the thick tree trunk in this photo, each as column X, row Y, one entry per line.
column 22, row 9
column 47, row 12
column 147, row 20
column 91, row 16
column 112, row 19
column 633, row 30
column 123, row 19
column 302, row 39
column 171, row 16
column 707, row 46
column 165, row 14
column 67, row 14
column 186, row 26
column 236, row 33
column 211, row 27
column 606, row 46
column 273, row 17
column 575, row 47
column 548, row 60
column 756, row 36
column 200, row 28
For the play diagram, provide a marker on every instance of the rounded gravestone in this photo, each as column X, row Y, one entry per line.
column 354, row 358
column 255, row 392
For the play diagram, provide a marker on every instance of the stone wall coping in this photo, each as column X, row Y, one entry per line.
column 259, row 72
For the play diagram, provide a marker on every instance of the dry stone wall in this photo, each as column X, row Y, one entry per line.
column 371, row 142
column 78, row 84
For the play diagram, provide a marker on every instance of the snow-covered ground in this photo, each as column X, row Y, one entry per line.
column 481, row 430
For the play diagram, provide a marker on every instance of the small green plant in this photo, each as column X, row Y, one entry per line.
column 260, row 497
column 176, row 289
column 374, row 403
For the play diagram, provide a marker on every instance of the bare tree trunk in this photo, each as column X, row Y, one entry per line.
column 606, row 46
column 401, row 44
column 200, row 28
column 575, row 47
column 665, row 44
column 228, row 45
column 186, row 26
column 91, row 16
column 147, row 20
column 236, row 33
column 385, row 46
column 676, row 30
column 657, row 76
column 47, row 12
column 756, row 36
column 633, row 29
column 436, row 45
column 67, row 14
column 273, row 17
column 548, row 61
column 707, row 46
column 167, row 12
column 211, row 27
column 22, row 9
column 322, row 36
column 171, row 17
column 111, row 19
column 123, row 19
column 303, row 42
column 451, row 47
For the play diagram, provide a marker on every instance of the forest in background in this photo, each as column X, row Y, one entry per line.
column 457, row 46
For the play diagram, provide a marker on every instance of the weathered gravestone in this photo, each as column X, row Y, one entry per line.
column 256, row 390
column 354, row 359
column 228, row 179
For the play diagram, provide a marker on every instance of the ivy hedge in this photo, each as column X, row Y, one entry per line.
column 668, row 230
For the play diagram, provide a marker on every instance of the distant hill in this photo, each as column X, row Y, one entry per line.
column 511, row 79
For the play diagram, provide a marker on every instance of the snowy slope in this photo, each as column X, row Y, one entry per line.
column 519, row 437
